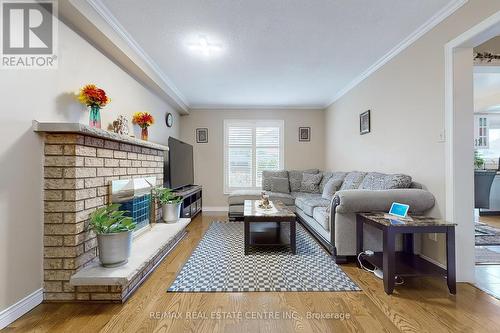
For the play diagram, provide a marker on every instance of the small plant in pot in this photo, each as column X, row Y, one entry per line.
column 171, row 203
column 114, row 234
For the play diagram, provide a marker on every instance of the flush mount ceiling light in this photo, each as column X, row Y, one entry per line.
column 204, row 47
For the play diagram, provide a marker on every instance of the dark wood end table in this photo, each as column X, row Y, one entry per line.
column 406, row 263
column 263, row 227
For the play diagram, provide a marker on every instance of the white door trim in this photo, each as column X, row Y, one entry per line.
column 457, row 153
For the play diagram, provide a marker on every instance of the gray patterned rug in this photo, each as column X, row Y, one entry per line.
column 487, row 255
column 218, row 264
column 486, row 235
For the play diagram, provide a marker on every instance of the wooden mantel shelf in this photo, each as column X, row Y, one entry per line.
column 77, row 128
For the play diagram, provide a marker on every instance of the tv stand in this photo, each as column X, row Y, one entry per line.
column 191, row 200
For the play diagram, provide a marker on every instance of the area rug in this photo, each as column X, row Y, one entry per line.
column 486, row 235
column 487, row 255
column 219, row 264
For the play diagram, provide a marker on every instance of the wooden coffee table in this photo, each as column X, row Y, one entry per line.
column 263, row 227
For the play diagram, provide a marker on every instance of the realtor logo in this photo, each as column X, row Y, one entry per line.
column 28, row 33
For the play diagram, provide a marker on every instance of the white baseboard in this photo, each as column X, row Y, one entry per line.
column 435, row 262
column 215, row 209
column 18, row 309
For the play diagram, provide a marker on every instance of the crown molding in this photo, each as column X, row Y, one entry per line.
column 95, row 22
column 210, row 107
column 113, row 22
column 439, row 17
column 178, row 101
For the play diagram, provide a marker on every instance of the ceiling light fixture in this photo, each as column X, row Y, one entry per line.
column 204, row 46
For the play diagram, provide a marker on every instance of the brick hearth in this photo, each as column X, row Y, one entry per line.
column 78, row 169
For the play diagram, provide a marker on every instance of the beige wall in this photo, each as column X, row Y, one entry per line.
column 209, row 157
column 490, row 46
column 406, row 97
column 46, row 95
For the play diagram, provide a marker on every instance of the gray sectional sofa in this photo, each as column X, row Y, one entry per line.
column 326, row 202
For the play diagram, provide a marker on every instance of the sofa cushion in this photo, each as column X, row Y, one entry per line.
column 330, row 188
column 352, row 180
column 326, row 177
column 280, row 185
column 307, row 204
column 295, row 177
column 267, row 176
column 310, row 182
column 239, row 197
column 382, row 181
column 303, row 195
column 321, row 216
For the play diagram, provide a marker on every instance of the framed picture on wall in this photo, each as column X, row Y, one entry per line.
column 202, row 135
column 364, row 123
column 304, row 134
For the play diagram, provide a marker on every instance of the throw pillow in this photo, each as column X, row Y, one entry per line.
column 280, row 185
column 310, row 182
column 331, row 187
column 352, row 180
column 373, row 181
column 397, row 181
column 268, row 174
column 326, row 177
column 296, row 178
column 381, row 181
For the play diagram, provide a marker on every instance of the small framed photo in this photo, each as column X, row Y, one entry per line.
column 304, row 134
column 202, row 135
column 364, row 123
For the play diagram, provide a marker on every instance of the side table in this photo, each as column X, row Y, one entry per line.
column 406, row 263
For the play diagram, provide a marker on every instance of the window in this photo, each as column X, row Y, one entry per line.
column 250, row 147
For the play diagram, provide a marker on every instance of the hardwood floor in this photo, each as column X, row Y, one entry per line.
column 492, row 220
column 420, row 305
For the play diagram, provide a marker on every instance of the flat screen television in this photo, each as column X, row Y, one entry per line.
column 180, row 169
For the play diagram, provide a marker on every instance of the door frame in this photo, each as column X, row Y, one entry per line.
column 459, row 152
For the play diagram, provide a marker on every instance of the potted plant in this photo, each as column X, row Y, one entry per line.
column 114, row 234
column 478, row 160
column 171, row 203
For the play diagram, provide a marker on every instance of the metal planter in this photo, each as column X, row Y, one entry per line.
column 171, row 212
column 114, row 249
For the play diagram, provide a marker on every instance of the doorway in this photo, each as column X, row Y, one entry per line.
column 486, row 80
column 460, row 126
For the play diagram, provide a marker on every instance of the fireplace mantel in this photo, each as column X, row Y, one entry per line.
column 78, row 128
column 79, row 165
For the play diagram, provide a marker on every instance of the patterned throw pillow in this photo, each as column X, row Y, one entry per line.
column 331, row 187
column 310, row 182
column 397, row 181
column 267, row 175
column 296, row 178
column 352, row 180
column 280, row 185
column 381, row 181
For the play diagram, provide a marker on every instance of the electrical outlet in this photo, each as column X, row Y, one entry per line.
column 442, row 136
column 433, row 237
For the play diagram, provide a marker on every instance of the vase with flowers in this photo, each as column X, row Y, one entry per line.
column 144, row 120
column 94, row 98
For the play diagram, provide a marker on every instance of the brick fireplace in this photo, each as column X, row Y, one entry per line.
column 79, row 164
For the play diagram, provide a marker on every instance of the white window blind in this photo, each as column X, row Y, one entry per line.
column 250, row 147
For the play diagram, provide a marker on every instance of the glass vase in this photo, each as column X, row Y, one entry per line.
column 95, row 117
column 144, row 134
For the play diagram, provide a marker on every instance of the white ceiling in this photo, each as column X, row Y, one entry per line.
column 487, row 91
column 296, row 53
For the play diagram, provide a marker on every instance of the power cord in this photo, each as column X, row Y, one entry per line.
column 377, row 271
column 368, row 253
